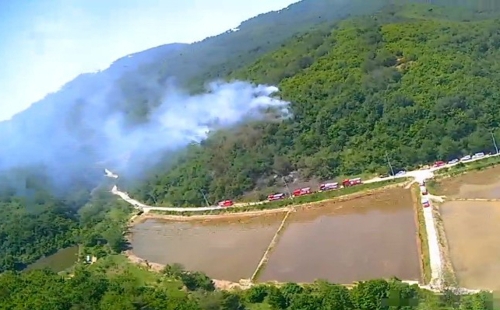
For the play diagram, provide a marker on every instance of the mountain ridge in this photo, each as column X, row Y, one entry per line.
column 379, row 85
column 56, row 128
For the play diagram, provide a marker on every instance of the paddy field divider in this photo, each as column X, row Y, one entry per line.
column 271, row 246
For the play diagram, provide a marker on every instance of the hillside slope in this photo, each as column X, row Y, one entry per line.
column 415, row 82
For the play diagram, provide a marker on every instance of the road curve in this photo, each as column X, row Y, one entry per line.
column 417, row 175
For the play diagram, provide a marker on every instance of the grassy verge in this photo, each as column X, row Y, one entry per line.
column 433, row 186
column 422, row 235
column 295, row 201
column 116, row 265
column 472, row 166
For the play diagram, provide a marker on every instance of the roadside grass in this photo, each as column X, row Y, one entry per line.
column 422, row 235
column 316, row 197
column 115, row 265
column 433, row 186
column 262, row 306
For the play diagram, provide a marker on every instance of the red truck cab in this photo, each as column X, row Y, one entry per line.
column 226, row 203
column 351, row 182
column 439, row 163
column 302, row 192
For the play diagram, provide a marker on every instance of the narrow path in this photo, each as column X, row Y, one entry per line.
column 145, row 208
column 271, row 246
column 434, row 250
column 474, row 199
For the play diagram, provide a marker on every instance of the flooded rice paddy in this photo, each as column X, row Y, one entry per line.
column 472, row 228
column 476, row 185
column 364, row 238
column 223, row 249
column 59, row 261
column 361, row 239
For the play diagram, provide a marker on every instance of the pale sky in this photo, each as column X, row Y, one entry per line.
column 46, row 43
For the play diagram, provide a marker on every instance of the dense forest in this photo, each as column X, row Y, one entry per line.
column 37, row 223
column 415, row 83
column 95, row 289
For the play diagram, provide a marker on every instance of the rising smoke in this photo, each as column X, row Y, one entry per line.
column 68, row 136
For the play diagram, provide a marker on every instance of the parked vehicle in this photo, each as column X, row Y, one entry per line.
column 277, row 196
column 423, row 190
column 351, row 182
column 400, row 173
column 302, row 192
column 466, row 158
column 478, row 155
column 226, row 203
column 439, row 164
column 328, row 186
column 453, row 161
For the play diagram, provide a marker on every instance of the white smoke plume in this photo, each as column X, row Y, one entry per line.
column 182, row 119
column 65, row 135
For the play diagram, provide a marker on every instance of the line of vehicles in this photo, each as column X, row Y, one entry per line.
column 356, row 181
column 304, row 191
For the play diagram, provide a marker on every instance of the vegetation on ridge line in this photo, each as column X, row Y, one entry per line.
column 417, row 86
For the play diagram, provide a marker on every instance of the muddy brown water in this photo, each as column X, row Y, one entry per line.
column 342, row 242
column 361, row 239
column 59, row 261
column 228, row 250
column 472, row 230
column 478, row 184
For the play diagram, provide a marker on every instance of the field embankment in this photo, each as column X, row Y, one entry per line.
column 422, row 241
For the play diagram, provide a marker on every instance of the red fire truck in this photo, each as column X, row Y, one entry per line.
column 351, row 182
column 226, row 203
column 328, row 186
column 278, row 196
column 302, row 192
column 439, row 164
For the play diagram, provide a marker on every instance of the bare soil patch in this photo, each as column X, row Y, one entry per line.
column 472, row 230
column 474, row 184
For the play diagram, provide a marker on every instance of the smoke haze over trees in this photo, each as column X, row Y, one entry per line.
column 418, row 80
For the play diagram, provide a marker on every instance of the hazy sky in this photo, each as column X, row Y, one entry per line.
column 46, row 43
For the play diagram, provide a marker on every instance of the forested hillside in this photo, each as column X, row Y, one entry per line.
column 218, row 56
column 35, row 223
column 76, row 126
column 418, row 82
